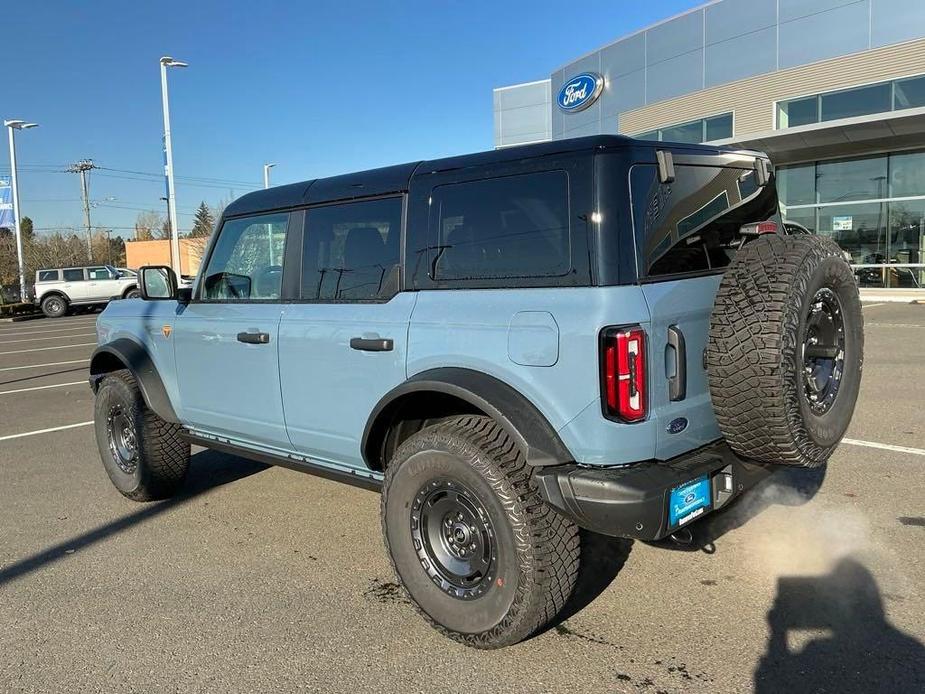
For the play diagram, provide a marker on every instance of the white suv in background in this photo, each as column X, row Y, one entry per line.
column 56, row 290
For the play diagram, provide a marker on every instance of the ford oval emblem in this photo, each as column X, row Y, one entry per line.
column 677, row 425
column 689, row 498
column 580, row 92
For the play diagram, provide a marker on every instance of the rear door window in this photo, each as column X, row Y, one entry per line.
column 351, row 251
column 98, row 273
column 501, row 229
column 73, row 275
column 691, row 225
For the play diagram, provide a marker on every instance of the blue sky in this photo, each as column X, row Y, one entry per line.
column 319, row 87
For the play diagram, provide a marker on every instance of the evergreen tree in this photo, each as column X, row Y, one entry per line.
column 204, row 221
column 26, row 228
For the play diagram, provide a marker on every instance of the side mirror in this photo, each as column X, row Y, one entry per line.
column 157, row 282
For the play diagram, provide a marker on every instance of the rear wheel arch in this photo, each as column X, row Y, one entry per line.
column 444, row 392
column 124, row 353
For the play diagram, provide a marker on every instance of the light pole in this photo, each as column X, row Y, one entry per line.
column 17, row 125
column 266, row 174
column 167, row 62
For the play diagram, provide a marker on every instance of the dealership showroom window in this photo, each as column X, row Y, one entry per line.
column 873, row 207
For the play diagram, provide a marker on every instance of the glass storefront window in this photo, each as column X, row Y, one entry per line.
column 852, row 179
column 856, row 102
column 798, row 112
column 718, row 128
column 848, row 103
column 860, row 230
column 805, row 216
column 890, row 233
column 907, row 236
column 691, row 133
column 907, row 174
column 796, row 185
column 909, row 93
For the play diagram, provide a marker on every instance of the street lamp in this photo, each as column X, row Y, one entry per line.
column 266, row 174
column 167, row 62
column 17, row 125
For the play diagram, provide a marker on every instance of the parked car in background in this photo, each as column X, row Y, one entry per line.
column 58, row 289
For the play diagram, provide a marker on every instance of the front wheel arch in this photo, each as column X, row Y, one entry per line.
column 127, row 354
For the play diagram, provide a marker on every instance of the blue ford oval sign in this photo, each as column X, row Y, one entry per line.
column 677, row 425
column 580, row 92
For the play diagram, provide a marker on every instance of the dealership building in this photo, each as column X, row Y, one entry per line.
column 832, row 90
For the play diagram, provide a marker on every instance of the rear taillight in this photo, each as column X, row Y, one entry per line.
column 623, row 373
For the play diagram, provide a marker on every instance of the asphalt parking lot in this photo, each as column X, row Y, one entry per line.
column 263, row 579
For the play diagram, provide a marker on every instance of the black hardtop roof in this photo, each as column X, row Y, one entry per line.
column 393, row 179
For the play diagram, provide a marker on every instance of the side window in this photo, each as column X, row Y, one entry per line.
column 247, row 261
column 98, row 273
column 73, row 275
column 351, row 251
column 692, row 223
column 501, row 228
column 48, row 275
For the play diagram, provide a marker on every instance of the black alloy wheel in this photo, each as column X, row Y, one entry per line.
column 120, row 428
column 454, row 537
column 823, row 351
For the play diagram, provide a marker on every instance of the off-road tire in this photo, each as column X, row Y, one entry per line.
column 132, row 293
column 162, row 456
column 54, row 306
column 537, row 549
column 755, row 351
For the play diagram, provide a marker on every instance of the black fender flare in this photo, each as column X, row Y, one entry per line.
column 124, row 353
column 519, row 417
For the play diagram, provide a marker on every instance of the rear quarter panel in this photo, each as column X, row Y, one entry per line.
column 486, row 330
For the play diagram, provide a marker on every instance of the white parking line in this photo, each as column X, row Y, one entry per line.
column 55, row 337
column 863, row 305
column 36, row 366
column 45, row 349
column 884, row 446
column 57, row 385
column 44, row 431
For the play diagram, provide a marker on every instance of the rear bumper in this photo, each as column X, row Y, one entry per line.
column 633, row 501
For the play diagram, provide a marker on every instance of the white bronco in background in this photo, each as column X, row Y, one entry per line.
column 58, row 289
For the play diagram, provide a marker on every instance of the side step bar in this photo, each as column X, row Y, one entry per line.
column 356, row 479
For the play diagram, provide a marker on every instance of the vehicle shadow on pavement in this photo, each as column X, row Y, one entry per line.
column 860, row 650
column 602, row 558
column 786, row 486
column 208, row 470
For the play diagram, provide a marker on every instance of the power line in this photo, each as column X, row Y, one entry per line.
column 205, row 179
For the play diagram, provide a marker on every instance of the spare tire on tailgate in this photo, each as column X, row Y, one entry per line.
column 786, row 349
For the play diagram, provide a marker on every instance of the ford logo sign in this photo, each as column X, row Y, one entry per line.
column 689, row 498
column 580, row 92
column 677, row 425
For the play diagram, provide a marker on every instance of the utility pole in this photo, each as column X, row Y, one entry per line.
column 266, row 174
column 82, row 167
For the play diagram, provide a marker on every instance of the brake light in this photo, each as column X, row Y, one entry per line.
column 624, row 373
column 759, row 228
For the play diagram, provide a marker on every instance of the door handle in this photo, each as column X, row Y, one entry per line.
column 376, row 344
column 254, row 338
column 677, row 383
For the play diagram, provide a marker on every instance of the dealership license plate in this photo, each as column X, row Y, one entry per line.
column 689, row 501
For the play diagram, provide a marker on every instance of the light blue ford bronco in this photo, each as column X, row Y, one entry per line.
column 597, row 333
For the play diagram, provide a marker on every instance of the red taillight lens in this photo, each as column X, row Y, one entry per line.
column 624, row 373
